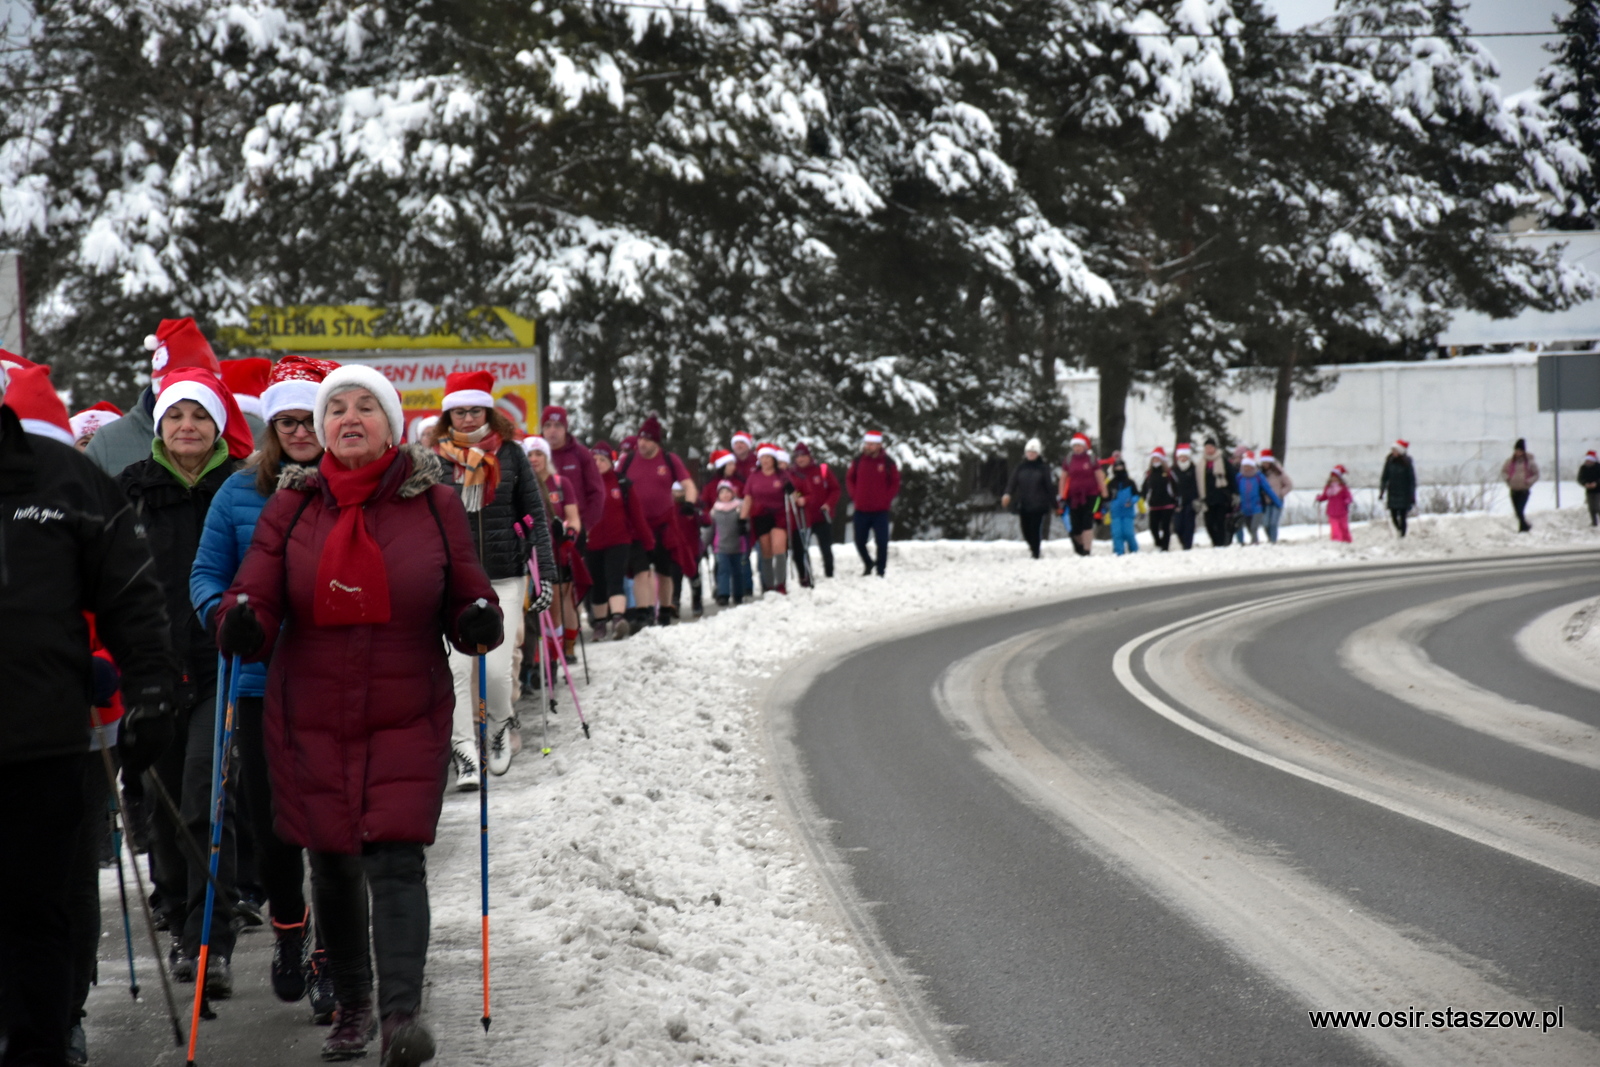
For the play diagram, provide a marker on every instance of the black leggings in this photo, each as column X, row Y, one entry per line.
column 1398, row 517
column 396, row 873
column 1519, row 504
column 1161, row 527
column 279, row 865
column 607, row 569
column 1033, row 523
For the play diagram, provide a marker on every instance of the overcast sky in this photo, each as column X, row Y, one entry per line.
column 1520, row 57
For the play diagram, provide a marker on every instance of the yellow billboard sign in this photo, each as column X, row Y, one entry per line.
column 357, row 327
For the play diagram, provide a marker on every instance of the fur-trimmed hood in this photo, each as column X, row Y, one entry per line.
column 426, row 470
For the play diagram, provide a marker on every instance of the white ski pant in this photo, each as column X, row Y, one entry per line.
column 464, row 669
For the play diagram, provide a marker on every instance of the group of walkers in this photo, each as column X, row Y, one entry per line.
column 264, row 559
column 1227, row 496
column 1230, row 494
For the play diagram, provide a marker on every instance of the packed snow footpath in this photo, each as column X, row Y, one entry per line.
column 650, row 902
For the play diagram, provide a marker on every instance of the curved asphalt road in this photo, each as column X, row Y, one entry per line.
column 1055, row 892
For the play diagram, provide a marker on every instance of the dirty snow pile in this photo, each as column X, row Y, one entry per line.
column 1582, row 632
column 651, row 904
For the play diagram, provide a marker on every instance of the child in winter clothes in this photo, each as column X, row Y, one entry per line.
column 1123, row 497
column 1160, row 492
column 727, row 543
column 1337, row 496
column 1255, row 494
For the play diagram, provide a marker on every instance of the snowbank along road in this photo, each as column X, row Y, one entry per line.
column 653, row 902
column 1166, row 824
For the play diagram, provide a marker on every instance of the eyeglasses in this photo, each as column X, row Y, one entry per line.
column 286, row 424
column 472, row 413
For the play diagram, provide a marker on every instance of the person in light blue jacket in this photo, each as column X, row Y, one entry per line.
column 1255, row 495
column 1122, row 495
column 290, row 440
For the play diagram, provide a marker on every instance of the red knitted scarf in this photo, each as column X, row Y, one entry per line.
column 352, row 582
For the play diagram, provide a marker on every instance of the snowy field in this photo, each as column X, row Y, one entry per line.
column 651, row 904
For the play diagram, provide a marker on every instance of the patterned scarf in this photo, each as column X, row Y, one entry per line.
column 476, row 459
column 352, row 581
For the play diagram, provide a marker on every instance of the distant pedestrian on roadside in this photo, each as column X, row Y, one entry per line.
column 1398, row 485
column 1030, row 492
column 1187, row 478
column 873, row 481
column 1520, row 472
column 1122, row 502
column 817, row 491
column 1337, row 496
column 1589, row 479
column 1281, row 484
column 1160, row 493
column 1255, row 496
column 1082, row 484
column 1216, row 492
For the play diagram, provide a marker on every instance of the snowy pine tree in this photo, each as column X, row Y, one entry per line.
column 1569, row 88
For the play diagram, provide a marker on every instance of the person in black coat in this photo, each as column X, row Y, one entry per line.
column 172, row 491
column 1031, row 492
column 1589, row 480
column 1398, row 485
column 69, row 545
column 1160, row 493
column 1186, row 482
column 1216, row 479
column 507, row 519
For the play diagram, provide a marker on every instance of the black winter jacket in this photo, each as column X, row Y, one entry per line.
column 1188, row 483
column 1589, row 474
column 501, row 549
column 1159, row 490
column 1032, row 486
column 175, row 516
column 1398, row 486
column 69, row 543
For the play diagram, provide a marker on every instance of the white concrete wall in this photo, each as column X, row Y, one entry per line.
column 1460, row 415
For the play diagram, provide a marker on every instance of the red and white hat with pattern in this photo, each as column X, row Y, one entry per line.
column 91, row 421
column 292, row 385
column 178, row 343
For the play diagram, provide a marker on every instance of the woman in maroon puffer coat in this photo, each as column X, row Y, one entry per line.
column 358, row 573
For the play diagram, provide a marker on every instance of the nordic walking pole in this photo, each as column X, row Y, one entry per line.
column 567, row 670
column 544, row 678
column 122, row 892
column 483, row 810
column 583, row 647
column 138, row 879
column 222, row 731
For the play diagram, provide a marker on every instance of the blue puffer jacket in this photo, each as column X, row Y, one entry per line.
column 1124, row 502
column 1254, row 491
column 230, row 524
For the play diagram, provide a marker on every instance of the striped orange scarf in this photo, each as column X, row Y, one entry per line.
column 477, row 465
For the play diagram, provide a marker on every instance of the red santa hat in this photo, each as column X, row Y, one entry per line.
column 418, row 428
column 30, row 395
column 1158, row 453
column 872, row 437
column 207, row 390
column 742, row 438
column 91, row 421
column 1248, row 459
column 721, row 458
column 1338, row 471
column 176, row 344
column 468, row 389
column 1081, row 439
column 767, row 448
column 1591, row 456
column 246, row 379
column 292, row 385
column 1402, row 445
column 1268, row 457
column 1185, row 449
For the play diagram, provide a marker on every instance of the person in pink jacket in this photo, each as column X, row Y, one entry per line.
column 1337, row 496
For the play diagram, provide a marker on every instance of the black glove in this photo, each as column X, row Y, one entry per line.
column 583, row 540
column 146, row 732
column 240, row 633
column 544, row 598
column 480, row 625
column 685, row 508
column 744, row 527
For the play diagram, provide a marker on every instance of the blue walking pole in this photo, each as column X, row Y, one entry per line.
column 483, row 813
column 122, row 891
column 222, row 744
